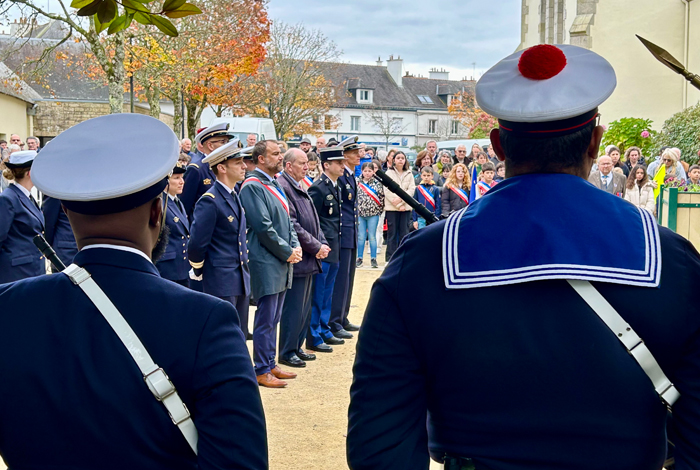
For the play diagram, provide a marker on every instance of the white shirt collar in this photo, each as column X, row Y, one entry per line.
column 172, row 198
column 24, row 190
column 266, row 175
column 229, row 190
column 348, row 168
column 121, row 248
column 293, row 180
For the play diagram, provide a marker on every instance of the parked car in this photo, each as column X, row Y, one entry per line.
column 263, row 128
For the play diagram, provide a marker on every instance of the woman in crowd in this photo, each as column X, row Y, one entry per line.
column 670, row 160
column 423, row 160
column 389, row 162
column 20, row 221
column 455, row 193
column 444, row 158
column 428, row 194
column 640, row 190
column 398, row 213
column 475, row 151
column 370, row 205
column 614, row 153
column 633, row 157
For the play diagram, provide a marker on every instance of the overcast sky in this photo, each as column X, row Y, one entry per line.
column 452, row 34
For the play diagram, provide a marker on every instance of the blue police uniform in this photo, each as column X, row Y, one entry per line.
column 58, row 231
column 198, row 180
column 328, row 203
column 20, row 221
column 72, row 390
column 348, row 249
column 174, row 264
column 515, row 371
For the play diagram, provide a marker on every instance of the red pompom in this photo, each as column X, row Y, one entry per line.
column 541, row 62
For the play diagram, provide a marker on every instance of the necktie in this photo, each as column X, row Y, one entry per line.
column 606, row 181
column 178, row 202
column 34, row 201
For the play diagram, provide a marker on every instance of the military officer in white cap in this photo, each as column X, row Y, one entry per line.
column 107, row 365
column 575, row 363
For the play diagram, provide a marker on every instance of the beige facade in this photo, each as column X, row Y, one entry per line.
column 14, row 118
column 646, row 88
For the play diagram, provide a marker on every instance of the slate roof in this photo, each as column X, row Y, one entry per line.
column 12, row 85
column 387, row 94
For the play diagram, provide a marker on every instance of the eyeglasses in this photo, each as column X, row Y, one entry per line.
column 667, row 160
column 462, row 151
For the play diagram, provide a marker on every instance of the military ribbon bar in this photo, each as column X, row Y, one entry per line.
column 426, row 194
column 370, row 191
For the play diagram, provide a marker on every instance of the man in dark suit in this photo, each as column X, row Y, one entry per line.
column 218, row 250
column 173, row 265
column 84, row 366
column 296, row 311
column 328, row 202
column 608, row 180
column 342, row 293
column 558, row 350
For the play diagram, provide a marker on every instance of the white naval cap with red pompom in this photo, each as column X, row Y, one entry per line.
column 545, row 84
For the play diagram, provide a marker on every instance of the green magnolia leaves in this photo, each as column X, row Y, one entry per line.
column 106, row 14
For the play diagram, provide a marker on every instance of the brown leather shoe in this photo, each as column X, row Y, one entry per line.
column 269, row 380
column 280, row 374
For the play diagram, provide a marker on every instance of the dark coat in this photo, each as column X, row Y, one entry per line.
column 218, row 244
column 71, row 389
column 451, row 202
column 58, row 230
column 348, row 189
column 328, row 206
column 271, row 235
column 198, row 180
column 20, row 221
column 434, row 191
column 306, row 224
column 174, row 265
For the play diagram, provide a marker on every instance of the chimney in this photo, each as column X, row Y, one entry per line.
column 379, row 61
column 441, row 74
column 395, row 69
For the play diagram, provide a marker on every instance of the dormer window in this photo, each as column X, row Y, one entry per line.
column 425, row 99
column 364, row 96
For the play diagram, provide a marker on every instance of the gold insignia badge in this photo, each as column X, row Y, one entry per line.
column 349, row 197
column 176, row 219
column 207, row 181
column 329, row 197
column 330, row 211
column 230, row 218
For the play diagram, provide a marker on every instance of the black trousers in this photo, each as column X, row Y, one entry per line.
column 242, row 306
column 342, row 291
column 296, row 313
column 397, row 227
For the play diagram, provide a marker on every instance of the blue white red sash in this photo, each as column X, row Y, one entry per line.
column 277, row 192
column 426, row 194
column 370, row 191
column 307, row 181
column 483, row 187
column 462, row 194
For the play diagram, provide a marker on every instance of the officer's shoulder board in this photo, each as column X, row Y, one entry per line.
column 210, row 195
column 194, row 165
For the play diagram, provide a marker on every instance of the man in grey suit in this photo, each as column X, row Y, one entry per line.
column 606, row 179
column 274, row 247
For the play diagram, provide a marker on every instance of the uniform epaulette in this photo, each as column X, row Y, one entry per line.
column 194, row 165
column 210, row 195
column 197, row 265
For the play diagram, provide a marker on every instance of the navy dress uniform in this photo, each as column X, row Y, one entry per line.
column 58, row 231
column 199, row 177
column 174, row 264
column 20, row 221
column 519, row 368
column 342, row 294
column 327, row 198
column 218, row 249
column 73, row 394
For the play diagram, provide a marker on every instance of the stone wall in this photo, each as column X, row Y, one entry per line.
column 54, row 117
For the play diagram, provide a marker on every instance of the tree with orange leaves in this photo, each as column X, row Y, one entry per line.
column 463, row 108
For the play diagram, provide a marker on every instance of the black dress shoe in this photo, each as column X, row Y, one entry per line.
column 334, row 340
column 304, row 356
column 350, row 327
column 323, row 347
column 342, row 334
column 292, row 361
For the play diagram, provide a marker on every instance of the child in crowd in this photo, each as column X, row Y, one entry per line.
column 694, row 174
column 488, row 172
column 313, row 172
column 370, row 205
column 500, row 172
column 428, row 194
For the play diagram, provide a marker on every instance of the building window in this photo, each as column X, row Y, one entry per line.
column 364, row 96
column 455, row 127
column 397, row 124
column 327, row 121
column 316, row 121
column 355, row 123
column 425, row 99
column 432, row 126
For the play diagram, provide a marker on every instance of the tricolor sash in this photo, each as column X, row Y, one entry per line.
column 426, row 194
column 277, row 192
column 307, row 181
column 371, row 192
column 483, row 187
column 462, row 194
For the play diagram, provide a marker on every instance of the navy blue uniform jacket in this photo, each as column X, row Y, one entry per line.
column 174, row 264
column 198, row 180
column 218, row 239
column 58, row 231
column 327, row 203
column 20, row 221
column 348, row 191
column 72, row 396
column 523, row 376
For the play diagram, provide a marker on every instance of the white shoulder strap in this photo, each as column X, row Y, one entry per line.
column 158, row 382
column 632, row 342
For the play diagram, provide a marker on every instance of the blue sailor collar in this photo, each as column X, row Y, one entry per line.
column 550, row 226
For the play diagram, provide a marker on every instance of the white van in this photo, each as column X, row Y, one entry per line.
column 451, row 145
column 263, row 128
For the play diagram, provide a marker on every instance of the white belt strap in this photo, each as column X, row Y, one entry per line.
column 632, row 342
column 158, row 382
